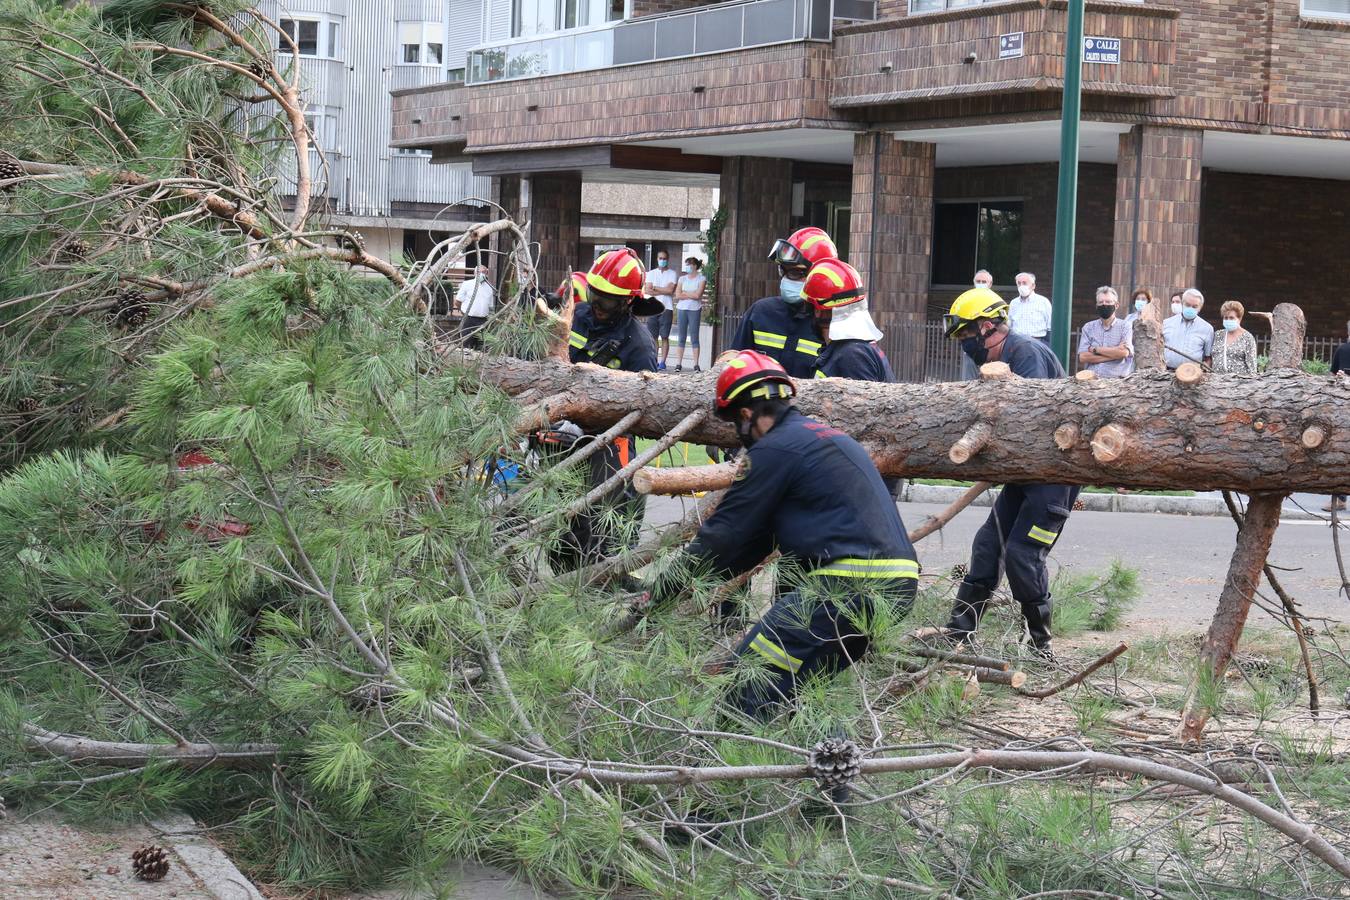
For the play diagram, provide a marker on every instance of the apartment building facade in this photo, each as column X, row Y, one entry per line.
column 353, row 55
column 1215, row 145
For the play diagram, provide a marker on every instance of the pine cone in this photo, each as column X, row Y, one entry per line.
column 75, row 250
column 28, row 405
column 834, row 762
column 150, row 863
column 959, row 571
column 1079, row 505
column 258, row 69
column 9, row 168
column 354, row 239
column 130, row 309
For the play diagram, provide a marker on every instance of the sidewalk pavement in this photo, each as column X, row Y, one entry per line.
column 1209, row 503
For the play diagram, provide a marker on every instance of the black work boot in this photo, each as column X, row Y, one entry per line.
column 1037, row 615
column 966, row 612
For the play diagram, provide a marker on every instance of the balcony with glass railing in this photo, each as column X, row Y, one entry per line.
column 716, row 28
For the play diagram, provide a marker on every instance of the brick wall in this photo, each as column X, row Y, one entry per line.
column 743, row 90
column 757, row 192
column 555, row 223
column 1158, row 208
column 1037, row 186
column 1268, row 240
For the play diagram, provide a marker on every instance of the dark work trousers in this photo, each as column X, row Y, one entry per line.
column 1017, row 537
column 600, row 530
column 811, row 631
column 469, row 327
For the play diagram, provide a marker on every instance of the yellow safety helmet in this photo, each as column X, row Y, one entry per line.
column 973, row 305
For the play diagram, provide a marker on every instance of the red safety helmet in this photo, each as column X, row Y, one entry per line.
column 579, row 293
column 617, row 272
column 833, row 283
column 804, row 247
column 750, row 375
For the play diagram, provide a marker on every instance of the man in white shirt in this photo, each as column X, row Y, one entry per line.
column 475, row 301
column 1186, row 336
column 661, row 286
column 1029, row 313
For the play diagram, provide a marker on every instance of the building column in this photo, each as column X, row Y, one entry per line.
column 1157, row 232
column 551, row 203
column 757, row 194
column 891, row 237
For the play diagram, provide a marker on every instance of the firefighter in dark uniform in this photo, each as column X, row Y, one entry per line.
column 605, row 332
column 783, row 327
column 836, row 291
column 1027, row 519
column 811, row 492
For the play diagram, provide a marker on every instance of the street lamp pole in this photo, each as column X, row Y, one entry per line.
column 1066, row 209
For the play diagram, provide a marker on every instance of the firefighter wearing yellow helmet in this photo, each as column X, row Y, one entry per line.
column 1027, row 519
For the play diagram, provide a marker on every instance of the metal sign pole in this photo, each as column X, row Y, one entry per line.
column 1066, row 210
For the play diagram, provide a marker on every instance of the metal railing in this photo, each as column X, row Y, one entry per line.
column 715, row 28
column 920, row 352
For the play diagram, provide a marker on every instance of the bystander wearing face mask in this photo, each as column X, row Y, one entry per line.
column 1024, row 291
column 1189, row 313
column 1230, row 324
column 1176, row 308
column 1140, row 304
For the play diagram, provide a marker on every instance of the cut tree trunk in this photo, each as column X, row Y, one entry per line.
column 1244, row 574
column 1239, row 433
column 1148, row 339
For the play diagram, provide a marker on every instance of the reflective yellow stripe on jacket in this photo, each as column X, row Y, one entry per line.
column 848, row 567
column 810, row 348
column 577, row 340
column 770, row 340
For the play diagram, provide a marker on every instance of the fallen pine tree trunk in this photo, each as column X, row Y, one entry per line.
column 1284, row 431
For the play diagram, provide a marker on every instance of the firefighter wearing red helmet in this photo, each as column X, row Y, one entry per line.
column 605, row 332
column 783, row 327
column 836, row 291
column 813, row 493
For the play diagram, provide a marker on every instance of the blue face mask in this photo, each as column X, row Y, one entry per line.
column 1230, row 324
column 790, row 290
column 662, row 263
column 1189, row 312
column 1140, row 305
column 688, row 269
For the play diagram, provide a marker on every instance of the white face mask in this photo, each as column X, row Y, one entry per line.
column 1176, row 308
column 1024, row 290
column 983, row 284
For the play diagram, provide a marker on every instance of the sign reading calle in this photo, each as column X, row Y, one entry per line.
column 1101, row 50
column 1010, row 45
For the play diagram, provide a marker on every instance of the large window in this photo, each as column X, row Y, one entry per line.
column 313, row 37
column 535, row 17
column 421, row 43
column 970, row 235
column 1339, row 9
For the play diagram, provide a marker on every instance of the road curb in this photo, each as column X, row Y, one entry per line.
column 217, row 874
column 1128, row 503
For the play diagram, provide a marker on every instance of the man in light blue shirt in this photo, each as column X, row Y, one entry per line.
column 1186, row 336
column 1029, row 313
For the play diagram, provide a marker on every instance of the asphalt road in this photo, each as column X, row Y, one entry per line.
column 1181, row 560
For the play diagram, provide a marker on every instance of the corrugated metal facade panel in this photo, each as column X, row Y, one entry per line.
column 366, row 174
column 465, row 30
column 498, row 19
column 414, row 180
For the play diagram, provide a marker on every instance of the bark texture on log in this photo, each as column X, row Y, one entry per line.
column 1244, row 574
column 1148, row 339
column 1287, row 330
column 1201, row 437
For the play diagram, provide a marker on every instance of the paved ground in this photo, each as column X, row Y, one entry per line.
column 1181, row 560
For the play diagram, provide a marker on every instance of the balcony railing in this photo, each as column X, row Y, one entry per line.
column 706, row 29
